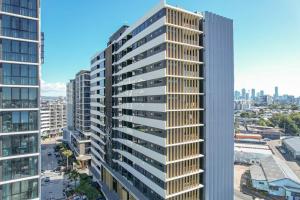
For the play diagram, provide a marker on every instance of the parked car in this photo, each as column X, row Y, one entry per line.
column 49, row 154
column 47, row 179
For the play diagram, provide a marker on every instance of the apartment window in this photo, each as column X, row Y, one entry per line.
column 19, row 97
column 19, row 168
column 21, row 7
column 19, row 51
column 15, row 74
column 18, row 144
column 18, row 27
column 27, row 189
column 18, row 121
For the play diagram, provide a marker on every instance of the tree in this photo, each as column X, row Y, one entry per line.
column 67, row 153
column 248, row 114
column 294, row 107
column 74, row 175
column 262, row 122
column 290, row 123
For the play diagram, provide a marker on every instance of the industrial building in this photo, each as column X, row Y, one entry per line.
column 246, row 153
column 275, row 177
column 265, row 131
column 292, row 146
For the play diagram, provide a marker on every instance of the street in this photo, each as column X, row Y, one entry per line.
column 52, row 190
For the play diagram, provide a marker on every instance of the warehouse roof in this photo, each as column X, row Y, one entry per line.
column 293, row 142
column 273, row 169
column 257, row 173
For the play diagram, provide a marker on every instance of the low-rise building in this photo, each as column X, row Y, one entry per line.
column 292, row 145
column 265, row 131
column 265, row 100
column 275, row 177
column 242, row 104
column 247, row 153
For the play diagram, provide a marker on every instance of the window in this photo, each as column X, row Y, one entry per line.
column 14, row 74
column 21, row 7
column 19, row 51
column 27, row 189
column 19, row 97
column 18, row 121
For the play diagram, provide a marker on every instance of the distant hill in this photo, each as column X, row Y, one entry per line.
column 51, row 98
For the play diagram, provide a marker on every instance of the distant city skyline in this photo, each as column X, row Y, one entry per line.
column 266, row 92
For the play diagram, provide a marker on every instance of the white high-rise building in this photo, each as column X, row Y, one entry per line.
column 53, row 117
column 162, row 108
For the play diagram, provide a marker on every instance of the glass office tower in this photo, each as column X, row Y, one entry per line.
column 19, row 99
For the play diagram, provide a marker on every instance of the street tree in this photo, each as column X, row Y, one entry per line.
column 67, row 153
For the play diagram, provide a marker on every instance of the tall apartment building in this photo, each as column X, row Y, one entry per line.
column 77, row 133
column 98, row 118
column 162, row 108
column 53, row 117
column 45, row 120
column 19, row 99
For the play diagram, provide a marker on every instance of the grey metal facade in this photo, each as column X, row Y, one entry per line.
column 219, row 87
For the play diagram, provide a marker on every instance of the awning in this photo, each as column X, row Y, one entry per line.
column 83, row 158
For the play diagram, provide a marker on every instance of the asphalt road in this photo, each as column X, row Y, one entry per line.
column 52, row 190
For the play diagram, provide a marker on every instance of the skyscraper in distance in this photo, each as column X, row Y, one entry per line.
column 20, row 59
column 237, row 95
column 276, row 94
column 261, row 93
column 157, row 131
column 253, row 94
column 244, row 93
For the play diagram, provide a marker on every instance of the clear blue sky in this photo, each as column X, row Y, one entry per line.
column 266, row 37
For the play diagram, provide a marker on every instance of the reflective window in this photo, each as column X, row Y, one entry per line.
column 21, row 7
column 18, row 97
column 18, row 121
column 27, row 189
column 15, row 74
column 12, row 50
column 19, row 168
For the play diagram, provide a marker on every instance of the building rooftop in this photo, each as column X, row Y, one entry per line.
column 293, row 142
column 252, row 146
column 257, row 173
column 272, row 169
column 253, row 150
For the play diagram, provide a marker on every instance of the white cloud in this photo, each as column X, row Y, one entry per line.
column 53, row 89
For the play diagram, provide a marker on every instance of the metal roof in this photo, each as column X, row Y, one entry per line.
column 293, row 142
column 257, row 173
column 273, row 169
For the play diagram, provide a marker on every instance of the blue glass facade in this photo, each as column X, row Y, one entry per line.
column 19, row 99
